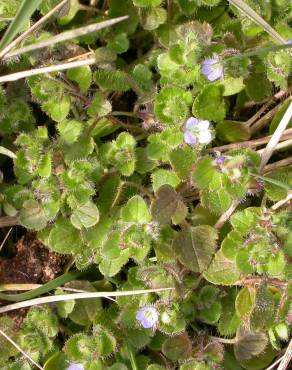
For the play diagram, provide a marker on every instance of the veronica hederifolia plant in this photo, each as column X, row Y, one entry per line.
column 131, row 164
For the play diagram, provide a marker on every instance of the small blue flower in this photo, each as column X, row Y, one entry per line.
column 220, row 160
column 289, row 42
column 147, row 316
column 212, row 68
column 197, row 130
column 75, row 367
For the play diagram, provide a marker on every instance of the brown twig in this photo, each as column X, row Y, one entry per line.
column 282, row 202
column 265, row 119
column 256, row 280
column 8, row 221
column 273, row 166
column 251, row 143
column 226, row 215
column 126, row 126
column 283, row 145
column 257, row 115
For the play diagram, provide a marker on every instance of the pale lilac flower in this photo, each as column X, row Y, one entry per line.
column 289, row 42
column 220, row 160
column 212, row 68
column 197, row 130
column 75, row 367
column 148, row 316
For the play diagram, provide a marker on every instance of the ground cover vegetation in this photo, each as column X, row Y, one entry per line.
column 144, row 167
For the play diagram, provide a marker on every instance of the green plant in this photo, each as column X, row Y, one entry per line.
column 123, row 165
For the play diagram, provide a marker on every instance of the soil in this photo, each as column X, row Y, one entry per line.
column 33, row 264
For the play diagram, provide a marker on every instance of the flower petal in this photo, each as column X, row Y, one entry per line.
column 209, row 61
column 140, row 314
column 147, row 316
column 192, row 122
column 147, row 323
column 203, row 125
column 190, row 138
column 75, row 367
column 206, row 69
column 205, row 137
column 215, row 74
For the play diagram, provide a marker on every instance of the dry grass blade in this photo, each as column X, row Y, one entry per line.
column 274, row 364
column 276, row 137
column 32, row 28
column 20, row 350
column 250, row 13
column 282, row 202
column 7, row 152
column 24, row 13
column 66, row 297
column 286, row 358
column 4, row 240
column 38, row 71
column 67, row 35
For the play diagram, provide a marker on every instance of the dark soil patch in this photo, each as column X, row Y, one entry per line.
column 32, row 264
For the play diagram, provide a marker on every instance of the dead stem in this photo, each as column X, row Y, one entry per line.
column 279, row 164
column 226, row 215
column 286, row 358
column 8, row 221
column 256, row 280
column 251, row 143
column 265, row 119
column 283, row 145
column 127, row 126
column 139, row 187
column 257, row 115
column 282, row 202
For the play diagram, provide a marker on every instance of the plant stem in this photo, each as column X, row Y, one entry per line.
column 224, row 340
column 126, row 125
column 126, row 114
column 256, row 280
column 273, row 166
column 139, row 187
column 132, row 359
column 7, row 221
column 266, row 118
column 282, row 202
column 250, row 143
column 249, row 122
column 226, row 215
